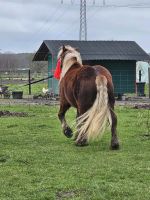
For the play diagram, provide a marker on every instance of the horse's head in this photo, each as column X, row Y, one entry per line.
column 68, row 55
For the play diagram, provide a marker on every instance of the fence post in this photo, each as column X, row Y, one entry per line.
column 29, row 74
column 149, row 81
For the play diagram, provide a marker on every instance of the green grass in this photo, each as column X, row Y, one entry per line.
column 35, row 88
column 38, row 163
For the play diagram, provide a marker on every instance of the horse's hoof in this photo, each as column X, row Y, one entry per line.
column 81, row 143
column 68, row 132
column 115, row 146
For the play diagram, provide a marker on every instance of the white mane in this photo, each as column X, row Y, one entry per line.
column 71, row 57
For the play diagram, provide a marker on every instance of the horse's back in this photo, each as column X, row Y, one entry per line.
column 100, row 70
column 80, row 87
column 87, row 76
column 86, row 89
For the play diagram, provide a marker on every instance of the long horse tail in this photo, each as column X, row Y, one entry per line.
column 94, row 122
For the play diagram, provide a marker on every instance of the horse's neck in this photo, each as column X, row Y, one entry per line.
column 67, row 65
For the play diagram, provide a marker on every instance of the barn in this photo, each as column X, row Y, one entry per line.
column 119, row 57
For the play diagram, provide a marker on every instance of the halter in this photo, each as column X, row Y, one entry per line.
column 58, row 69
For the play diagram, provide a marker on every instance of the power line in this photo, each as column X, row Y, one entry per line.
column 83, row 22
column 107, row 5
column 53, row 25
column 45, row 22
column 76, row 24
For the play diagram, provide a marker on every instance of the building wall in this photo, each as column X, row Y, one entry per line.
column 52, row 82
column 123, row 74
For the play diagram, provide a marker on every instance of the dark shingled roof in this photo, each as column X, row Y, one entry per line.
column 95, row 50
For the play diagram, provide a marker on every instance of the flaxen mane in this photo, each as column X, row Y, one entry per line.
column 71, row 57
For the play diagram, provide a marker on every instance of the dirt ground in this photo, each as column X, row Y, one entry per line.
column 135, row 102
column 28, row 101
column 12, row 114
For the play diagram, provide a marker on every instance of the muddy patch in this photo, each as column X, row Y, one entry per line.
column 4, row 158
column 69, row 194
column 7, row 113
column 142, row 106
column 145, row 136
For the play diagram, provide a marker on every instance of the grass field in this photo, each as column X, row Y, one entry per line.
column 38, row 163
column 35, row 88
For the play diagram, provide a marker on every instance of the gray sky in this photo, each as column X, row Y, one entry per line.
column 24, row 24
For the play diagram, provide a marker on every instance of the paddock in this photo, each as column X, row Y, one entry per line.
column 38, row 162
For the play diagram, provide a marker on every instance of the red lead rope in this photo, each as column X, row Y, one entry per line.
column 58, row 70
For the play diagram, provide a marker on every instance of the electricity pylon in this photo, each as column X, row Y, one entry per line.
column 83, row 23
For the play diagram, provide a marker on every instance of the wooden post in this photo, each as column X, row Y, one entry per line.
column 29, row 74
column 149, row 81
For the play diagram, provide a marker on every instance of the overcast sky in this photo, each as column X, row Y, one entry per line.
column 24, row 24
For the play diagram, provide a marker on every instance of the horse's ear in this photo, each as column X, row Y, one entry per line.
column 76, row 48
column 64, row 48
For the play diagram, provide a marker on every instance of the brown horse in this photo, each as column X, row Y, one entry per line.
column 90, row 90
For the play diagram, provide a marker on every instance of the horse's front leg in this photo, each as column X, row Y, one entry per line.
column 114, row 138
column 61, row 115
column 77, row 133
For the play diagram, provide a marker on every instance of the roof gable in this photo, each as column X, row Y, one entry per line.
column 95, row 50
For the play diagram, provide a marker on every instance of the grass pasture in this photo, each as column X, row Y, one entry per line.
column 35, row 88
column 38, row 163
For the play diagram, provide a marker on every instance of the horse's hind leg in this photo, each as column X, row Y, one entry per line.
column 114, row 138
column 82, row 140
column 66, row 129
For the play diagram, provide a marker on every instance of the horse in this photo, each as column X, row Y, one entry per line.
column 90, row 90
